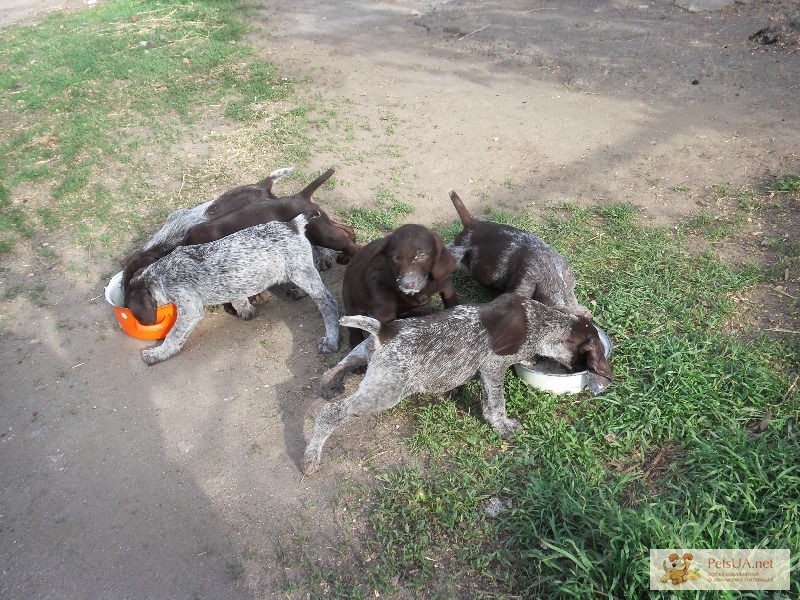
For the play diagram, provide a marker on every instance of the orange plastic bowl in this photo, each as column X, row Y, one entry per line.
column 165, row 315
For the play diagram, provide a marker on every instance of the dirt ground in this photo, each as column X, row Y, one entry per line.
column 181, row 480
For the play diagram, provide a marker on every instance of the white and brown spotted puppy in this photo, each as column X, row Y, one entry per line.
column 174, row 229
column 511, row 260
column 231, row 269
column 441, row 351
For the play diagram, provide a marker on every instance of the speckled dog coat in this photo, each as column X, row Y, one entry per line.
column 439, row 352
column 229, row 270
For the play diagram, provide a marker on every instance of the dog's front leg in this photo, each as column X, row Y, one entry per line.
column 189, row 315
column 308, row 280
column 494, row 403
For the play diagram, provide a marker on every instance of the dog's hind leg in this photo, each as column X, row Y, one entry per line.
column 331, row 380
column 189, row 315
column 368, row 399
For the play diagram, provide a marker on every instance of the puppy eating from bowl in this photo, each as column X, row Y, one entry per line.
column 230, row 269
column 441, row 351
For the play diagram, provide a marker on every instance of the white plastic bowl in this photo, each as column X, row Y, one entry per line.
column 550, row 376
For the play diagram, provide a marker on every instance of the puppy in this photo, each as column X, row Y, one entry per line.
column 511, row 260
column 438, row 352
column 321, row 231
column 397, row 275
column 236, row 209
column 229, row 270
column 174, row 229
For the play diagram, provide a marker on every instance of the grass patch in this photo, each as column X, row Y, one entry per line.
column 785, row 184
column 694, row 445
column 13, row 222
column 713, row 227
column 87, row 91
column 372, row 223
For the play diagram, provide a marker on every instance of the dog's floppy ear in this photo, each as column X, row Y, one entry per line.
column 142, row 304
column 599, row 371
column 443, row 263
column 134, row 263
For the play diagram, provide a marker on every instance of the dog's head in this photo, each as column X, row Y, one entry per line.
column 589, row 354
column 415, row 255
column 141, row 303
column 135, row 263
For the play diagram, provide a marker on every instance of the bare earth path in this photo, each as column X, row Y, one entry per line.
column 182, row 480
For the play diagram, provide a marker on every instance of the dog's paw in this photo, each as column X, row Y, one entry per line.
column 331, row 390
column 247, row 313
column 326, row 345
column 506, row 427
column 331, row 383
column 309, row 466
column 152, row 355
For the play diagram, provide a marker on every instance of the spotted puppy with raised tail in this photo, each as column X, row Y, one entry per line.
column 438, row 352
column 230, row 269
column 512, row 260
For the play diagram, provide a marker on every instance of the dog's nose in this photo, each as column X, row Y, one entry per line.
column 410, row 283
column 598, row 383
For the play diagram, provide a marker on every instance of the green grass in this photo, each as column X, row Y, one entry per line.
column 581, row 506
column 87, row 91
column 372, row 223
column 13, row 222
column 788, row 183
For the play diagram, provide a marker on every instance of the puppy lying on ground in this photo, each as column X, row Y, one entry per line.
column 511, row 260
column 321, row 231
column 236, row 209
column 397, row 276
column 178, row 222
column 441, row 351
column 229, row 270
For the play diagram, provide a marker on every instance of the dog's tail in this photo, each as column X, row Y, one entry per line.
column 462, row 211
column 300, row 221
column 368, row 324
column 266, row 183
column 309, row 190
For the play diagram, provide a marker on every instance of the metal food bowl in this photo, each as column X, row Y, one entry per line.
column 165, row 315
column 550, row 376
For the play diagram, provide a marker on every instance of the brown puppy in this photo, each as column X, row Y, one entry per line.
column 321, row 231
column 397, row 275
column 236, row 209
column 511, row 260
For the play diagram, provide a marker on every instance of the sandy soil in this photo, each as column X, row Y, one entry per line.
column 182, row 480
